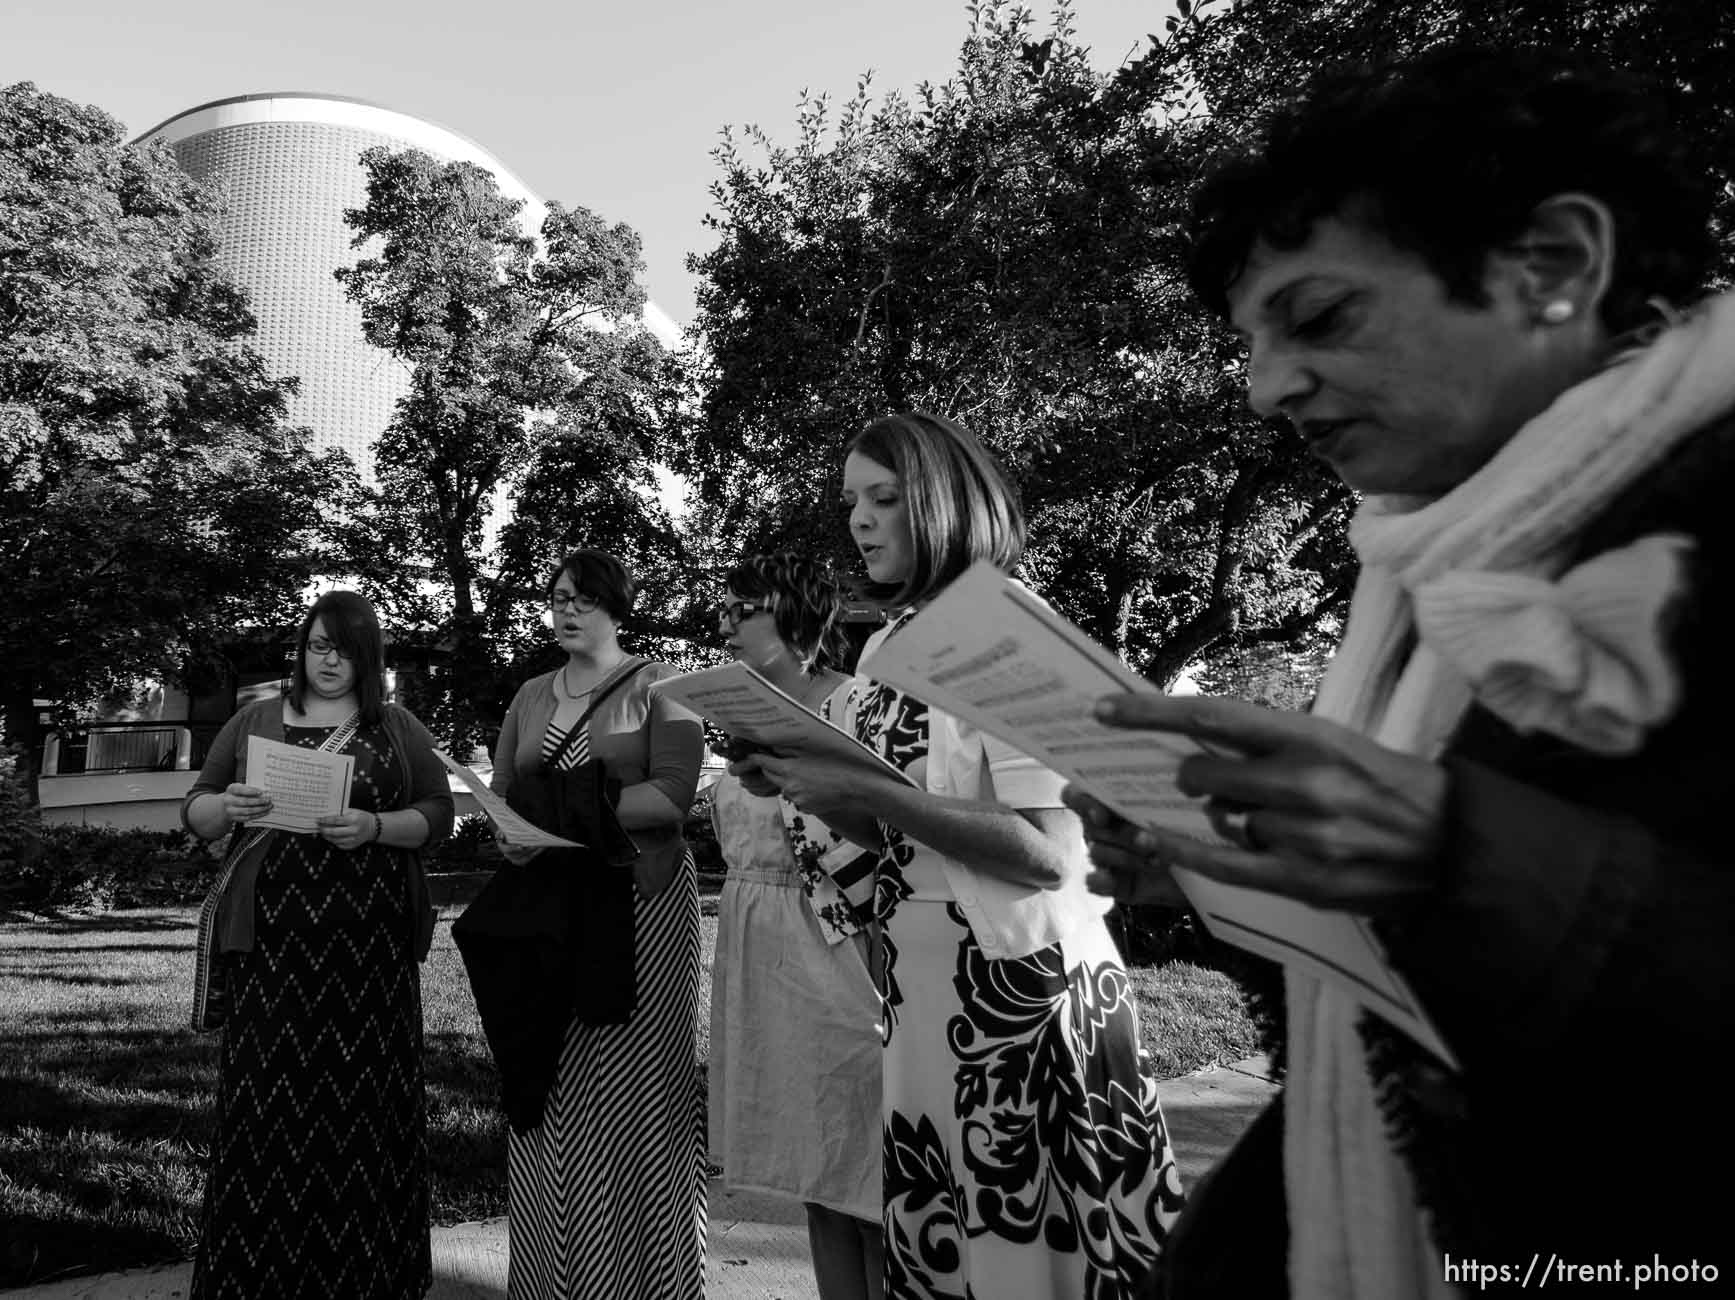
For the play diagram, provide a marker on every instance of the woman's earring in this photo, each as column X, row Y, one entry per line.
column 1557, row 312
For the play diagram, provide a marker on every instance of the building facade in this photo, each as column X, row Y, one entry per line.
column 289, row 165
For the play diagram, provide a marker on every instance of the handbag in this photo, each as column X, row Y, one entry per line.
column 551, row 940
column 212, row 968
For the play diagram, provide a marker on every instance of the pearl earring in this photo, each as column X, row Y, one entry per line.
column 1558, row 312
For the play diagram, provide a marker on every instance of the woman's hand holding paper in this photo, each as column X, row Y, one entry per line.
column 516, row 854
column 840, row 793
column 242, row 803
column 1306, row 808
column 349, row 829
column 825, row 787
column 752, row 776
column 1123, row 869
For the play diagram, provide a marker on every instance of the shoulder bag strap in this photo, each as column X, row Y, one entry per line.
column 577, row 735
column 205, row 949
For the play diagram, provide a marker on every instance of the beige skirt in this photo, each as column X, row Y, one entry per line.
column 795, row 1050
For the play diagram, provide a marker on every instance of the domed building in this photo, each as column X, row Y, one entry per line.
column 289, row 165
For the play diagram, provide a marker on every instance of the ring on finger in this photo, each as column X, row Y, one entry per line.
column 1238, row 825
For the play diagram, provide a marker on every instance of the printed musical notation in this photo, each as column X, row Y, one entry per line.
column 989, row 652
column 748, row 705
column 304, row 784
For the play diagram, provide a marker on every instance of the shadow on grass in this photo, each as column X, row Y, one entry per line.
column 48, row 975
column 103, row 1148
column 104, row 1137
column 107, row 1110
column 129, row 1085
column 44, row 1248
column 466, row 1129
column 126, row 1022
column 90, row 951
column 100, row 923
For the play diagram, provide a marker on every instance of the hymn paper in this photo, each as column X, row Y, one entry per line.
column 517, row 831
column 304, row 784
column 748, row 706
column 988, row 651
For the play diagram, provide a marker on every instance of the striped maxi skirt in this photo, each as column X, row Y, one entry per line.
column 607, row 1195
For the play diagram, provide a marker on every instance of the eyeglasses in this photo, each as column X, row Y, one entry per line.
column 319, row 648
column 736, row 610
column 582, row 601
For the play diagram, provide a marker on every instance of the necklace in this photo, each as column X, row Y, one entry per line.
column 565, row 691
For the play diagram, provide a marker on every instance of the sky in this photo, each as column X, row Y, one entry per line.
column 615, row 107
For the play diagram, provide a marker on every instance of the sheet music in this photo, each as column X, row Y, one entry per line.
column 988, row 651
column 304, row 784
column 747, row 705
column 518, row 832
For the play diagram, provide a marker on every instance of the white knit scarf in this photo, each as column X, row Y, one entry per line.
column 1473, row 580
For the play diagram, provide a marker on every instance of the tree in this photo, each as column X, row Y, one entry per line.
column 532, row 383
column 1238, row 60
column 1004, row 250
column 152, row 496
column 1245, row 56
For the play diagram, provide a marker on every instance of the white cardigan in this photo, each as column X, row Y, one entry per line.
column 1008, row 919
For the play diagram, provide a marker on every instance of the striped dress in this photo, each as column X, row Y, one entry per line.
column 607, row 1194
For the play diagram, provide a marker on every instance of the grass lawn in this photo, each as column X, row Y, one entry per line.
column 106, row 1097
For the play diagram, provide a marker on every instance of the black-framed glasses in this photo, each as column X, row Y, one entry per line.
column 319, row 648
column 582, row 601
column 737, row 610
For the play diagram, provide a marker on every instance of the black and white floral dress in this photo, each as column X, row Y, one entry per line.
column 1025, row 1152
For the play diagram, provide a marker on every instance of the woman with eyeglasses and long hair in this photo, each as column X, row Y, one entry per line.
column 318, row 1182
column 795, row 1069
column 607, row 1193
column 1025, row 1153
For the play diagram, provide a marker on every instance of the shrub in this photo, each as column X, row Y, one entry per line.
column 470, row 844
column 86, row 867
column 49, row 867
column 1150, row 935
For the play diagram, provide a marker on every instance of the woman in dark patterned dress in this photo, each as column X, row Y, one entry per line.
column 318, row 1184
column 1025, row 1153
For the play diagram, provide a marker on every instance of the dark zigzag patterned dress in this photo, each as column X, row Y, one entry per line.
column 318, row 1185
column 608, row 1193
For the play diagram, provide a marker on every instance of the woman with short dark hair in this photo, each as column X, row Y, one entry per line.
column 608, row 1191
column 1467, row 283
column 318, row 1183
column 1025, row 1154
column 795, row 1048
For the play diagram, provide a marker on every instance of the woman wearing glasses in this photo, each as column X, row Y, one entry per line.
column 608, row 1192
column 795, row 1047
column 318, row 1184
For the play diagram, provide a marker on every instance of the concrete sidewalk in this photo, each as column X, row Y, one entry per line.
column 758, row 1244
